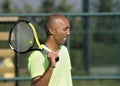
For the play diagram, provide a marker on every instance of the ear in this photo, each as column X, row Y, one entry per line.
column 52, row 31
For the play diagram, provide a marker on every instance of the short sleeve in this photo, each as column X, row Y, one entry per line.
column 36, row 64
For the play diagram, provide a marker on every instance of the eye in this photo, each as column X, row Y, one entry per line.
column 66, row 28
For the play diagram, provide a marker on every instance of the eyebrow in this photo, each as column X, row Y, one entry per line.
column 66, row 27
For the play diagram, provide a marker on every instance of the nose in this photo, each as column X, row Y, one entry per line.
column 68, row 32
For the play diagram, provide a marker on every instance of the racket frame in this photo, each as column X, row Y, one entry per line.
column 35, row 39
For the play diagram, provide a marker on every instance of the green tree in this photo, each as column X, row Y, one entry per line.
column 63, row 7
column 103, row 39
column 48, row 6
column 105, row 6
column 6, row 6
column 105, row 23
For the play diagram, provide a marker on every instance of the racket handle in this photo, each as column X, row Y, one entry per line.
column 57, row 59
column 45, row 51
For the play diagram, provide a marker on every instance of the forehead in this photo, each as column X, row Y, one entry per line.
column 62, row 22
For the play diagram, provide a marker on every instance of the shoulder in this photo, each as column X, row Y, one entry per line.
column 64, row 50
column 63, row 47
column 35, row 55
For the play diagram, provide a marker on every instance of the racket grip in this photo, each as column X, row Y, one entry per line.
column 57, row 59
column 45, row 51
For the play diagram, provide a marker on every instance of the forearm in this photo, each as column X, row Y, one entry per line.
column 43, row 80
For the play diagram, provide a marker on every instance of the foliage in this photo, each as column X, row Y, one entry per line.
column 63, row 7
column 48, row 6
column 104, row 23
column 6, row 7
column 105, row 6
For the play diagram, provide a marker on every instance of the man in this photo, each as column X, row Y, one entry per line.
column 44, row 69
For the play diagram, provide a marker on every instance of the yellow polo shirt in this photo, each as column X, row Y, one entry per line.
column 61, row 76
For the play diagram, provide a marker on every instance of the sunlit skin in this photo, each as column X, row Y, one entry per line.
column 62, row 31
column 58, row 32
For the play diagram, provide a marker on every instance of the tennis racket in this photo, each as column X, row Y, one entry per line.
column 23, row 36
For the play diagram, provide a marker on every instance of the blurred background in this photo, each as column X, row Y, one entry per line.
column 94, row 43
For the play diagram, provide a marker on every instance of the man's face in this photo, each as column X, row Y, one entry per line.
column 61, row 31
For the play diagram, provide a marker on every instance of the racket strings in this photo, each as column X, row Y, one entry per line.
column 22, row 36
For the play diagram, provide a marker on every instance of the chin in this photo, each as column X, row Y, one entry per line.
column 63, row 42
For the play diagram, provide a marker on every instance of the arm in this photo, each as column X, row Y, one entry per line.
column 45, row 78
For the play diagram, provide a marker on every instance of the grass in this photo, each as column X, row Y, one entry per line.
column 75, row 83
column 96, row 83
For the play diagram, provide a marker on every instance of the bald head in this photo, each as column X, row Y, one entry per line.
column 54, row 20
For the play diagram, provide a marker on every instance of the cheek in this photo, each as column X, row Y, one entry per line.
column 60, row 38
column 60, row 35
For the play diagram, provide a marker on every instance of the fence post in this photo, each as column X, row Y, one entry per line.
column 86, row 39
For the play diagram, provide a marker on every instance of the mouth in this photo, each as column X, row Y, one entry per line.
column 65, row 38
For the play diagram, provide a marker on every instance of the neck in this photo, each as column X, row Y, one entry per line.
column 51, row 44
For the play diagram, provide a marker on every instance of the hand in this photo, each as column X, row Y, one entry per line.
column 51, row 57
